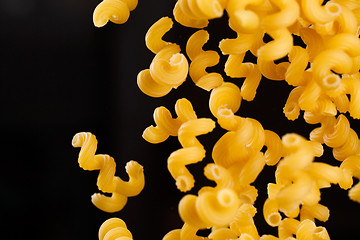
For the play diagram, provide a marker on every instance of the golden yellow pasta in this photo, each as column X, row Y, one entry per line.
column 323, row 70
column 114, row 228
column 107, row 182
column 117, row 11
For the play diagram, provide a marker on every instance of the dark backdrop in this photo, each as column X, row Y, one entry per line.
column 60, row 75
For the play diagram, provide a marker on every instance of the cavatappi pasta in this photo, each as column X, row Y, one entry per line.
column 324, row 73
column 107, row 181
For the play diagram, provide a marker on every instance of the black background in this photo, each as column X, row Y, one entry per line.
column 61, row 75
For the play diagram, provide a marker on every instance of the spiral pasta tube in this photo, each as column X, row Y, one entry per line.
column 166, row 125
column 107, row 182
column 114, row 228
column 192, row 151
column 169, row 67
column 117, row 11
column 201, row 60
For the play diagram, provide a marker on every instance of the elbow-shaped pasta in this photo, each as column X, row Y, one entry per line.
column 117, row 11
column 177, row 162
column 153, row 37
column 289, row 12
column 114, row 228
column 274, row 149
column 318, row 211
column 271, row 213
column 247, row 193
column 277, row 48
column 235, row 68
column 186, row 20
column 201, row 60
column 346, row 22
column 217, row 207
column 228, row 95
column 314, row 12
column 299, row 59
column 342, row 103
column 287, row 228
column 219, row 174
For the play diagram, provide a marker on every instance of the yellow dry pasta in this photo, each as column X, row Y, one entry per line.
column 107, row 182
column 117, row 11
column 200, row 60
column 114, row 228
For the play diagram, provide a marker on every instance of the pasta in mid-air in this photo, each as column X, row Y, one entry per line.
column 314, row 47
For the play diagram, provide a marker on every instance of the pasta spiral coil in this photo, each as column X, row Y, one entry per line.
column 117, row 11
column 114, row 229
column 107, row 182
column 201, row 60
column 169, row 67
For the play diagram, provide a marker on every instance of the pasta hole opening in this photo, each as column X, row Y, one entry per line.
column 274, row 219
column 183, row 183
column 291, row 140
column 225, row 112
column 225, row 197
column 331, row 82
column 216, row 172
column 334, row 9
column 176, row 59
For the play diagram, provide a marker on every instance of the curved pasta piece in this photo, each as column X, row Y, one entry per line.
column 317, row 211
column 271, row 213
column 107, row 182
column 166, row 125
column 274, row 148
column 114, row 228
column 228, row 95
column 201, row 60
column 295, row 73
column 153, row 37
column 234, row 67
column 117, row 11
column 277, row 48
column 286, row 16
column 186, row 20
column 314, row 12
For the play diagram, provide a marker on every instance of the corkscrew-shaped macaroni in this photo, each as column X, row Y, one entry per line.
column 192, row 151
column 114, row 228
column 107, row 182
column 196, row 13
column 117, row 11
column 201, row 60
column 166, row 125
column 169, row 67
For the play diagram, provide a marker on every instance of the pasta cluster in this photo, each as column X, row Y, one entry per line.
column 107, row 181
column 323, row 67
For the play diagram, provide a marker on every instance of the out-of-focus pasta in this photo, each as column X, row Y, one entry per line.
column 117, row 11
column 114, row 228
